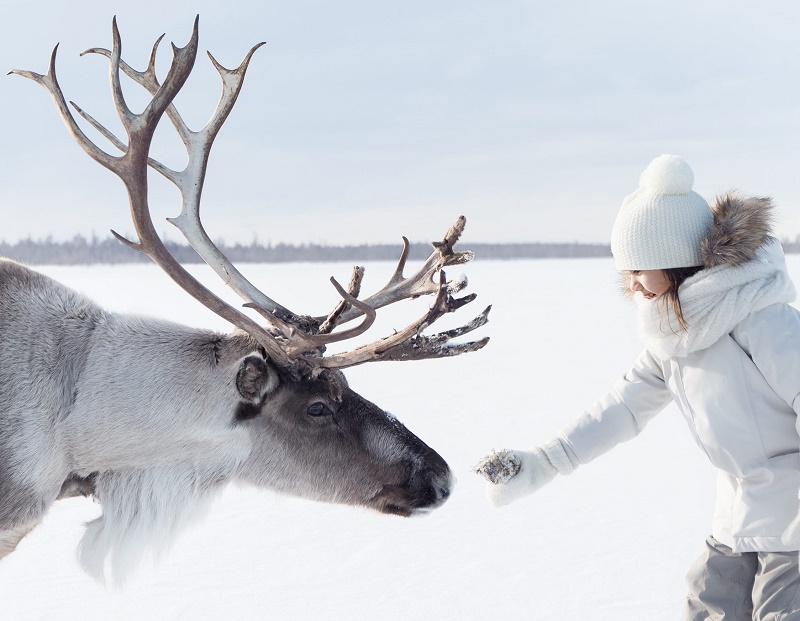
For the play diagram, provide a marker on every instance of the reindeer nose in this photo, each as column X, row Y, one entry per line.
column 438, row 487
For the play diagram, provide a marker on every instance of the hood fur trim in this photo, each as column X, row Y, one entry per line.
column 742, row 225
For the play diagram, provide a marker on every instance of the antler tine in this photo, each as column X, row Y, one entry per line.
column 322, row 339
column 422, row 282
column 50, row 82
column 410, row 343
column 354, row 289
column 437, row 346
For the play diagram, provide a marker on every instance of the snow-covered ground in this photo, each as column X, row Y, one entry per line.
column 610, row 542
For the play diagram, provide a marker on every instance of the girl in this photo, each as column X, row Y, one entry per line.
column 721, row 341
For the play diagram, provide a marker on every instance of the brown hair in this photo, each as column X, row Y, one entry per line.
column 675, row 276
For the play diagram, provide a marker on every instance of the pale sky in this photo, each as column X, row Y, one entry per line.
column 364, row 120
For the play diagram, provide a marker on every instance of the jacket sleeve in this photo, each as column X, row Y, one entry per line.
column 771, row 338
column 622, row 414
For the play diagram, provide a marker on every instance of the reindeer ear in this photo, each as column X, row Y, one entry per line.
column 255, row 379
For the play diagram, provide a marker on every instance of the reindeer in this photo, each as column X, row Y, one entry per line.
column 151, row 417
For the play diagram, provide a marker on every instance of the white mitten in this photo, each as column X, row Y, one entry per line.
column 536, row 468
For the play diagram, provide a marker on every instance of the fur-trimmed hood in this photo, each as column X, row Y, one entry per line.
column 742, row 225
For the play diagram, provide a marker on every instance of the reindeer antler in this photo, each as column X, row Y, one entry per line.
column 289, row 338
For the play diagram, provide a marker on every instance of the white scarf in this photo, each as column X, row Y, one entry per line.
column 713, row 302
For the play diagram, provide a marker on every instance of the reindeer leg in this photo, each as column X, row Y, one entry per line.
column 74, row 485
column 10, row 537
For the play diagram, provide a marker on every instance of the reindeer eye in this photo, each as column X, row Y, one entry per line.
column 318, row 409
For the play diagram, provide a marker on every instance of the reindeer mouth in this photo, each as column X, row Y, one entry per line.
column 414, row 498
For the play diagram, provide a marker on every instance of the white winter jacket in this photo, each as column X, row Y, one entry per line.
column 740, row 396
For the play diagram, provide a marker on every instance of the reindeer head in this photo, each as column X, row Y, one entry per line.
column 319, row 439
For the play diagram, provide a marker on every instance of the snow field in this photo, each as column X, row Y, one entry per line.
column 610, row 542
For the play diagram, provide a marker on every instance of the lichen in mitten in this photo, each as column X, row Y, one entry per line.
column 498, row 467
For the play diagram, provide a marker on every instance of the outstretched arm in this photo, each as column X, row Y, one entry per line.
column 619, row 416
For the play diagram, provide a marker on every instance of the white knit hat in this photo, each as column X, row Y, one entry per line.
column 662, row 223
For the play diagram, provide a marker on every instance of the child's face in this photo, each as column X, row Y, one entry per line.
column 652, row 283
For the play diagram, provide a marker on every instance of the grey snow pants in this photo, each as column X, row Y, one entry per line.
column 757, row 586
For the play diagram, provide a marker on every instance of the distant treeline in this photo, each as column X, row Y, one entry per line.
column 82, row 251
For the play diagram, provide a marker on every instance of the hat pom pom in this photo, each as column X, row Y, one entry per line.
column 667, row 174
